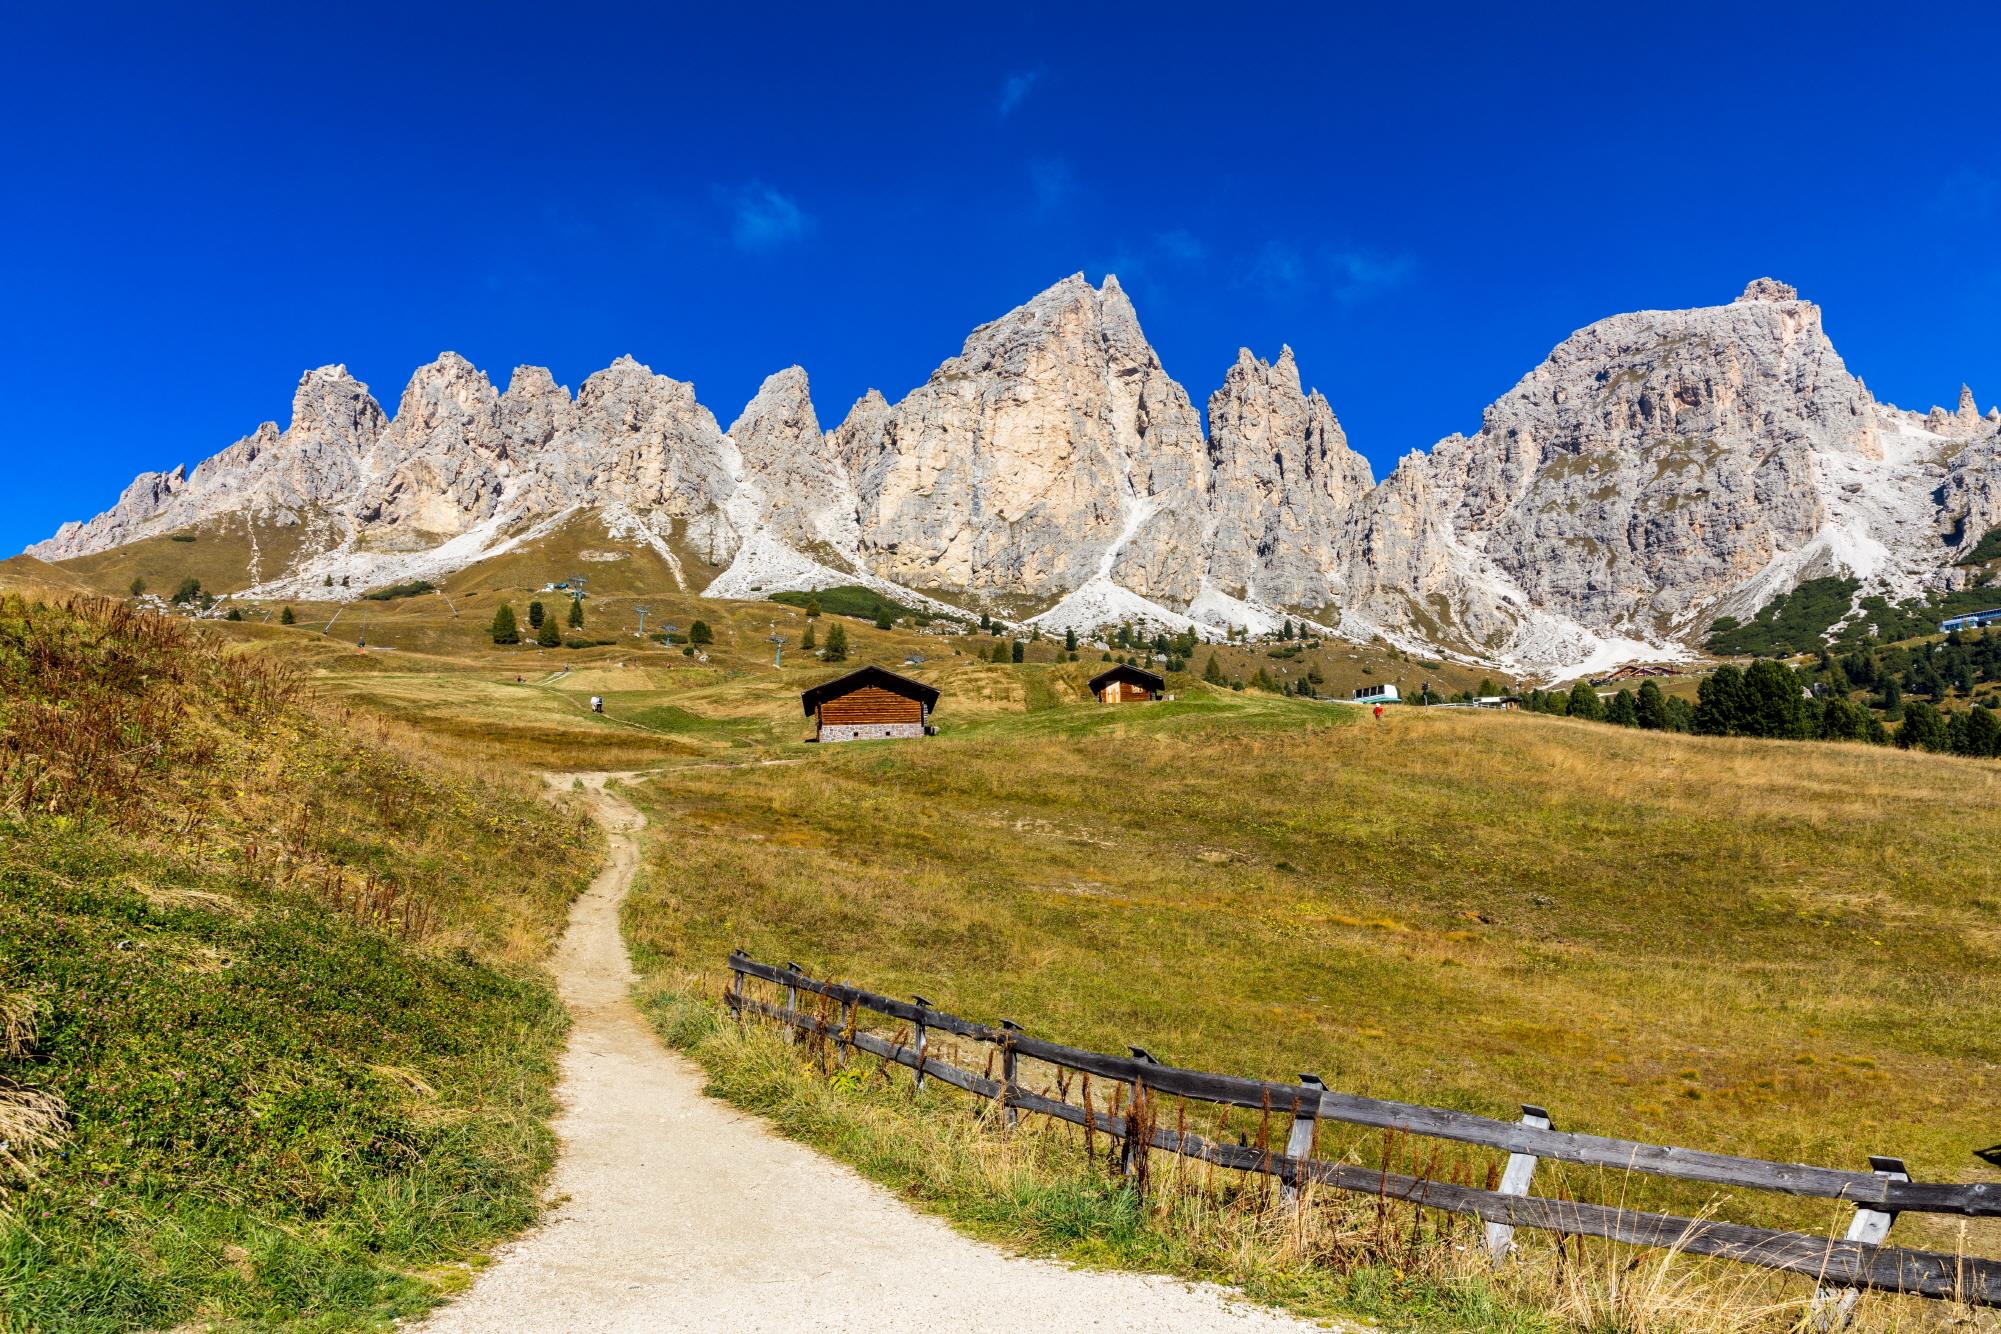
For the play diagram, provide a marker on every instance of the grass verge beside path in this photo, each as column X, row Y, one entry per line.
column 277, row 978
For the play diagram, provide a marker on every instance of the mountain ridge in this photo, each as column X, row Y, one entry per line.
column 1656, row 470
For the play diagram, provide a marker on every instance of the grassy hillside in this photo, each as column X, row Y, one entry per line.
column 1780, row 950
column 269, row 987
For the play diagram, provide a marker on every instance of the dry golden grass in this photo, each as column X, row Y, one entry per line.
column 1782, row 950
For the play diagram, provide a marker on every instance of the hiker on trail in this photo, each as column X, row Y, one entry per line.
column 1379, row 713
column 597, row 704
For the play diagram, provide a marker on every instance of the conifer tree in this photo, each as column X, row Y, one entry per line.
column 549, row 636
column 576, row 613
column 699, row 633
column 812, row 609
column 286, row 617
column 1019, row 652
column 883, row 620
column 1720, row 703
column 1070, row 640
column 1924, row 728
column 806, row 641
column 1651, row 707
column 535, row 616
column 1213, row 672
column 1624, row 711
column 504, row 629
column 837, row 641
column 138, row 586
column 1584, row 702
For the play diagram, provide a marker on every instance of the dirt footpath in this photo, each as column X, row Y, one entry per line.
column 679, row 1213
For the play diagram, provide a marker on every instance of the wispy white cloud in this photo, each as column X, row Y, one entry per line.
column 762, row 218
column 1969, row 194
column 1014, row 89
column 1346, row 274
column 1278, row 268
column 1358, row 274
column 1052, row 183
column 1181, row 246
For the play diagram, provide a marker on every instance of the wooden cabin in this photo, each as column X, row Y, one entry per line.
column 1127, row 685
column 869, row 704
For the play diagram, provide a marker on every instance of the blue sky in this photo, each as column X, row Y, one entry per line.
column 203, row 204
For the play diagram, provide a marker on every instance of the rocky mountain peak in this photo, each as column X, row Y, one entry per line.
column 1657, row 469
column 1769, row 289
column 781, row 410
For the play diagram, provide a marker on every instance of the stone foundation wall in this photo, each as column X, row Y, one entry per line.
column 868, row 731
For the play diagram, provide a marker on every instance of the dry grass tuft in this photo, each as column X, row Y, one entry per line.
column 31, row 1121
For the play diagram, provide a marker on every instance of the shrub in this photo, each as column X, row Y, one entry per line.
column 394, row 591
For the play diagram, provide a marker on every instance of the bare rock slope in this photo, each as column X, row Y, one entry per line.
column 1657, row 470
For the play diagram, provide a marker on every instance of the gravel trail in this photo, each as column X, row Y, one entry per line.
column 676, row 1212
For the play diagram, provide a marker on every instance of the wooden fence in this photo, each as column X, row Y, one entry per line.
column 1841, row 1267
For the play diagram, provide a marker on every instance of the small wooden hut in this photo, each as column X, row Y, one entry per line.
column 1127, row 685
column 868, row 704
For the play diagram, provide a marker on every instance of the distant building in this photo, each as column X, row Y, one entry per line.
column 1973, row 620
column 1377, row 695
column 869, row 704
column 1127, row 685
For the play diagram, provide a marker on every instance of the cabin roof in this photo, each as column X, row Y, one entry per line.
column 1121, row 672
column 861, row 677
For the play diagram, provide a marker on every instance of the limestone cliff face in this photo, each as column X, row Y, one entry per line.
column 802, row 495
column 1046, row 451
column 1656, row 470
column 1280, row 484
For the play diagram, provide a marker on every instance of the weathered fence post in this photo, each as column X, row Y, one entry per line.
column 1515, row 1181
column 1299, row 1144
column 1833, row 1308
column 922, row 1006
column 1129, row 1151
column 736, row 985
column 845, row 1045
column 792, row 1003
column 1007, row 1073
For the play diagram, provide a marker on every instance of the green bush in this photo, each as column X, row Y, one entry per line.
column 864, row 604
column 409, row 590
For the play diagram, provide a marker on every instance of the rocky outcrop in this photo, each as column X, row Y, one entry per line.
column 803, row 496
column 282, row 477
column 1657, row 469
column 1281, row 482
column 1045, row 453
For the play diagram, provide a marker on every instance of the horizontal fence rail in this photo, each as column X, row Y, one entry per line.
column 1859, row 1261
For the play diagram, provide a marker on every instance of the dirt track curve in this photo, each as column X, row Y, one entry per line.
column 676, row 1212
